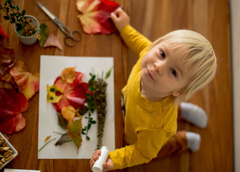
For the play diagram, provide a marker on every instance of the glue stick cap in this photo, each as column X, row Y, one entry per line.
column 97, row 167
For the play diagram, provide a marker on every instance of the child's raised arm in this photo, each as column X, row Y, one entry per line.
column 120, row 19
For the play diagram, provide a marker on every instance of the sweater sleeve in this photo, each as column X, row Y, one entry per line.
column 149, row 142
column 134, row 40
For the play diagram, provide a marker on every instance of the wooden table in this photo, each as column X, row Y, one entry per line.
column 26, row 141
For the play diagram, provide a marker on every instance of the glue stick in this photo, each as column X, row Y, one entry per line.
column 97, row 167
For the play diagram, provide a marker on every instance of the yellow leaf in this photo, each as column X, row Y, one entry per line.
column 69, row 74
column 68, row 113
column 47, row 138
column 54, row 93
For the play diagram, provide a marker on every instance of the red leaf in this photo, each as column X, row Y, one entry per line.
column 95, row 16
column 74, row 94
column 7, row 58
column 28, row 83
column 2, row 33
column 12, row 104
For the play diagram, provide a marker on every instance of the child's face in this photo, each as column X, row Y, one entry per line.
column 162, row 72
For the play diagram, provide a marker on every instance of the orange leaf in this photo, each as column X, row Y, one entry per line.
column 47, row 138
column 69, row 74
column 68, row 113
column 28, row 83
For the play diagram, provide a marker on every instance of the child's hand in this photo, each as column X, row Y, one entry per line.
column 120, row 19
column 108, row 165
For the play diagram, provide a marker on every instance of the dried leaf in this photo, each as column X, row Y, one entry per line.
column 47, row 138
column 108, row 73
column 68, row 113
column 12, row 104
column 74, row 132
column 74, row 94
column 62, row 122
column 7, row 58
column 69, row 74
column 28, row 83
column 52, row 40
column 43, row 34
column 64, row 138
column 54, row 93
column 95, row 15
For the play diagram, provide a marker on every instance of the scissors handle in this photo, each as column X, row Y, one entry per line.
column 71, row 40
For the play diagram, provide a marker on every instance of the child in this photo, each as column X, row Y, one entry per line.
column 169, row 71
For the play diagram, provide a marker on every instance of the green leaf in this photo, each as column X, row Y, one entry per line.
column 44, row 34
column 74, row 132
column 23, row 12
column 6, row 17
column 108, row 73
column 88, row 138
column 16, row 7
column 62, row 122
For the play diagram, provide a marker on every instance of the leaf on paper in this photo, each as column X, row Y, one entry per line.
column 69, row 74
column 95, row 15
column 52, row 40
column 43, row 34
column 12, row 104
column 68, row 113
column 62, row 122
column 74, row 132
column 28, row 83
column 54, row 93
column 47, row 138
column 64, row 138
column 74, row 94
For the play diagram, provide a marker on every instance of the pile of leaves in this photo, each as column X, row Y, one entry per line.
column 95, row 15
column 17, row 86
column 72, row 98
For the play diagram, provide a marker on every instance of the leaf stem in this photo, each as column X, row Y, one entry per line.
column 46, row 144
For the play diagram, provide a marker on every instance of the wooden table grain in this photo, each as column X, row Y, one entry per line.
column 26, row 141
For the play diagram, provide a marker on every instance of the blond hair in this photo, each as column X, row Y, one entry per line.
column 200, row 59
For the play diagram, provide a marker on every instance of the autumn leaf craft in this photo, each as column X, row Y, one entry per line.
column 72, row 98
column 95, row 15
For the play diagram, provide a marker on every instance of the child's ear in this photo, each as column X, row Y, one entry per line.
column 177, row 93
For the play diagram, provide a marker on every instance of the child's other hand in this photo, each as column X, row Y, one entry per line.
column 108, row 165
column 120, row 19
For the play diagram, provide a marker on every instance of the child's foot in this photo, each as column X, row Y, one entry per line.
column 193, row 140
column 194, row 114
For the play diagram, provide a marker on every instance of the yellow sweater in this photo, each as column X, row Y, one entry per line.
column 147, row 124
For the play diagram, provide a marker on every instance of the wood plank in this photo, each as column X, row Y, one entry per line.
column 211, row 19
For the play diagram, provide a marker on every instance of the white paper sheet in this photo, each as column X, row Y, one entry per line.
column 50, row 68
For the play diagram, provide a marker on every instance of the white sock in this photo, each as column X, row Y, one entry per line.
column 194, row 114
column 193, row 140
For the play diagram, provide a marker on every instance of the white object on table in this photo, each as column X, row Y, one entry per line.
column 20, row 170
column 50, row 68
column 97, row 167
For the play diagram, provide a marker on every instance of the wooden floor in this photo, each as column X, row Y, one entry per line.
column 155, row 18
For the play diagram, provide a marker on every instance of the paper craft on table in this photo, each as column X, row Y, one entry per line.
column 50, row 68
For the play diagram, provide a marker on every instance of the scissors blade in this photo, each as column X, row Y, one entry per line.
column 46, row 11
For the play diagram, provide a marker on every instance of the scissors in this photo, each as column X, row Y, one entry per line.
column 71, row 37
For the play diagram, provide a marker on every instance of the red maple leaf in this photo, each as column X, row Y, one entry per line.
column 12, row 104
column 95, row 16
column 74, row 94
